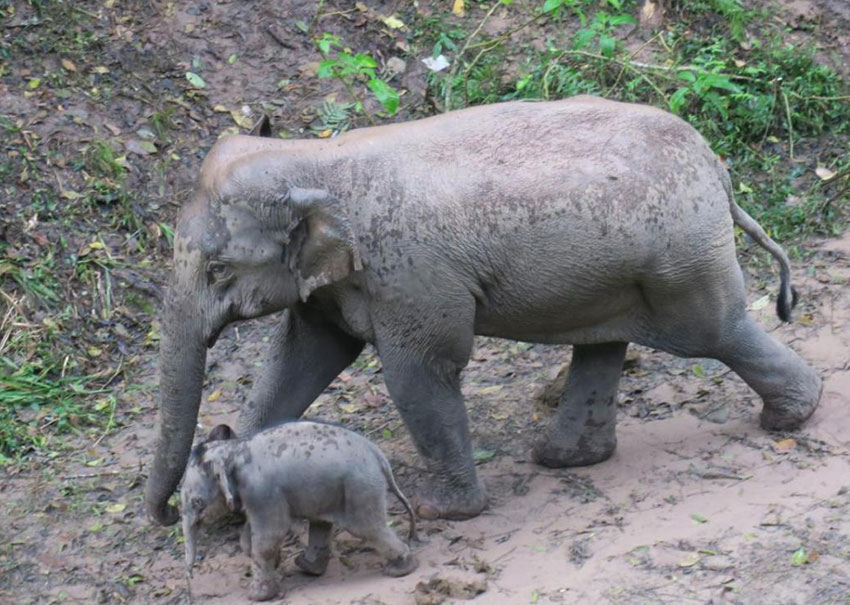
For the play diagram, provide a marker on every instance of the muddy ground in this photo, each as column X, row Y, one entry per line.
column 697, row 505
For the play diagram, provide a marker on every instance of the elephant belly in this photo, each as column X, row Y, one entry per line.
column 579, row 317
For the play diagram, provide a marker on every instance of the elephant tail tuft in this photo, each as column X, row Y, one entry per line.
column 787, row 294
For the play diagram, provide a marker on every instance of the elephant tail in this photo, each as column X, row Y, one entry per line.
column 388, row 474
column 787, row 294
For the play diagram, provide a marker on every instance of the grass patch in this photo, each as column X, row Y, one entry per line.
column 41, row 396
column 764, row 106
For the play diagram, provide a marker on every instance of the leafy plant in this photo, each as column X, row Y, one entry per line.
column 350, row 69
column 755, row 101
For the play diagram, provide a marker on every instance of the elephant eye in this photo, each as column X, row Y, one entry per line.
column 216, row 270
column 198, row 503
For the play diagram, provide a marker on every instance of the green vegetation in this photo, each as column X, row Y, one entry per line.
column 755, row 98
column 353, row 69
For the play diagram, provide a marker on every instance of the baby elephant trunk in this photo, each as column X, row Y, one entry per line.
column 190, row 533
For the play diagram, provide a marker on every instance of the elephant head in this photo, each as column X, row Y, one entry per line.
column 250, row 243
column 206, row 493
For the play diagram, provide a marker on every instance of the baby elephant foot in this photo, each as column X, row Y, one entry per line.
column 315, row 566
column 455, row 503
column 263, row 589
column 556, row 450
column 401, row 566
column 790, row 413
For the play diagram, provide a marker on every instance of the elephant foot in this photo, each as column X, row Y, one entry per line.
column 263, row 590
column 401, row 566
column 453, row 503
column 557, row 451
column 314, row 566
column 790, row 414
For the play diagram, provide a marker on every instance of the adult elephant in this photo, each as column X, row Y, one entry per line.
column 581, row 221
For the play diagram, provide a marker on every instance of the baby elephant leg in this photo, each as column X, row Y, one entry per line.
column 265, row 557
column 314, row 560
column 400, row 561
column 245, row 538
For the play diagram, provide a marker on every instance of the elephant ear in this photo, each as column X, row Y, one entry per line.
column 226, row 476
column 326, row 245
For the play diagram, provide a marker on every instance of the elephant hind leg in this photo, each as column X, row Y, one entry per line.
column 583, row 431
column 314, row 560
column 789, row 388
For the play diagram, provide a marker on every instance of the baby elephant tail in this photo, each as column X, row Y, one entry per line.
column 787, row 294
column 388, row 473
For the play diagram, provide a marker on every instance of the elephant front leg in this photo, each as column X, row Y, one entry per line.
column 584, row 428
column 427, row 394
column 314, row 560
column 304, row 355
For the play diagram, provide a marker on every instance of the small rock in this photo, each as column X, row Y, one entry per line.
column 396, row 66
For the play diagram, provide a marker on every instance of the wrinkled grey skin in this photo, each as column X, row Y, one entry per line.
column 298, row 470
column 581, row 221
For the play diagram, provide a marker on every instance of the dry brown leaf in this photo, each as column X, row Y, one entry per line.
column 783, row 446
column 824, row 173
column 69, row 65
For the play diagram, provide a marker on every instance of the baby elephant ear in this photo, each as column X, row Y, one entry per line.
column 227, row 483
column 222, row 432
column 328, row 249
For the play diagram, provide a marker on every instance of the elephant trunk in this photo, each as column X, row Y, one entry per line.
column 183, row 356
column 190, row 534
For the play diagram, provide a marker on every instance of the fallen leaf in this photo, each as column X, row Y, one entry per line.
column 69, row 65
column 690, row 560
column 491, row 389
column 393, row 22
column 325, row 133
column 483, row 455
column 698, row 370
column 800, row 557
column 70, row 195
column 140, row 147
column 214, row 396
column 783, row 446
column 220, row 108
column 101, row 69
column 33, row 83
column 348, row 408
column 115, row 508
column 824, row 173
column 241, row 119
column 94, row 351
column 458, row 8
column 699, row 518
column 761, row 303
column 195, row 80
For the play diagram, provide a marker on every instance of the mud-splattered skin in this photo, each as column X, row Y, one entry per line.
column 298, row 470
column 581, row 221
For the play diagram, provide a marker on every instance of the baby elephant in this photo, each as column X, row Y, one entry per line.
column 299, row 470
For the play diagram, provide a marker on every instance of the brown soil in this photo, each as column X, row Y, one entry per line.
column 697, row 505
